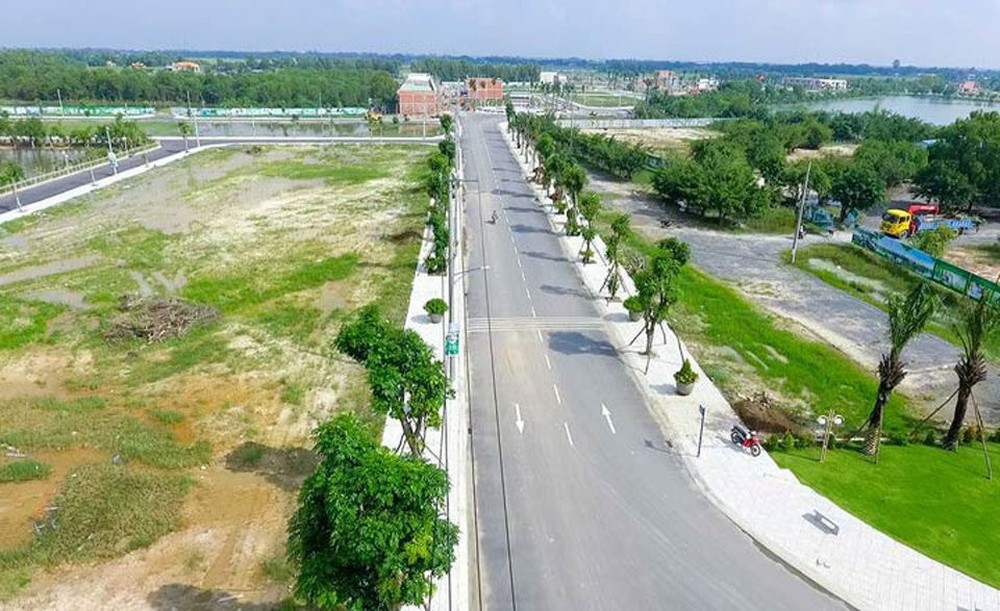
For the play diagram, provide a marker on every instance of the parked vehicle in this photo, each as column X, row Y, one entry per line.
column 746, row 439
column 898, row 223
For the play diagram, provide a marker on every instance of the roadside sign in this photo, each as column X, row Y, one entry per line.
column 451, row 344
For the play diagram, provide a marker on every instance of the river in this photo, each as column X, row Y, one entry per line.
column 41, row 160
column 937, row 111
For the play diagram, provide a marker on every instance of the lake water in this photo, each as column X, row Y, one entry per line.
column 936, row 111
column 41, row 160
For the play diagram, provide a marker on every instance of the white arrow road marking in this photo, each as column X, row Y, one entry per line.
column 519, row 422
column 568, row 436
column 558, row 398
column 607, row 416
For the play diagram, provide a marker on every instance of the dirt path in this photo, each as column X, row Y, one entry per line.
column 753, row 264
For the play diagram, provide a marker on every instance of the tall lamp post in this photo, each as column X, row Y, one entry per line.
column 828, row 422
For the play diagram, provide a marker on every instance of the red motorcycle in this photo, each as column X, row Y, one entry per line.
column 745, row 439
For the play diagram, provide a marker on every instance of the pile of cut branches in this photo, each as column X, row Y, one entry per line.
column 155, row 319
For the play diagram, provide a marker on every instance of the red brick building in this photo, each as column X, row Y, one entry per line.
column 418, row 96
column 484, row 90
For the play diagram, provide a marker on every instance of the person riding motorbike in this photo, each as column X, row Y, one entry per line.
column 494, row 217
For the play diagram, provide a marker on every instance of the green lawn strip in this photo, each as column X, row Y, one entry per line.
column 256, row 286
column 937, row 502
column 713, row 314
column 23, row 470
column 895, row 279
column 23, row 322
column 297, row 169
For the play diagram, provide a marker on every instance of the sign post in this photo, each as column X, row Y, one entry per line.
column 701, row 429
column 451, row 343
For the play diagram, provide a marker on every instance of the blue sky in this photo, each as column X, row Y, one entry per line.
column 920, row 32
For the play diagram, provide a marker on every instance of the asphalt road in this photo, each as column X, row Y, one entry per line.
column 168, row 146
column 576, row 509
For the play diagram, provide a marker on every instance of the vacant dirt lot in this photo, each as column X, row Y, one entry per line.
column 169, row 468
column 659, row 139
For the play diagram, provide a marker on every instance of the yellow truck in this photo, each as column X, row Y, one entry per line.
column 898, row 223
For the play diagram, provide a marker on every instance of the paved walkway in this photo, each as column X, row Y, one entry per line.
column 864, row 567
column 447, row 447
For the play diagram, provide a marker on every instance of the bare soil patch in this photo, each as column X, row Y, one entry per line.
column 660, row 138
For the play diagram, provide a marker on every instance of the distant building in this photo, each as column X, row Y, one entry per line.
column 137, row 66
column 968, row 88
column 664, row 79
column 484, row 89
column 419, row 96
column 551, row 78
column 185, row 67
column 707, row 84
column 815, row 84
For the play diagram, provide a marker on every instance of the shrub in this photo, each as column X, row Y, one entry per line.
column 686, row 375
column 899, row 438
column 930, row 438
column 436, row 306
column 788, row 441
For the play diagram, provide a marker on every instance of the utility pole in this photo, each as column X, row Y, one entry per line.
column 62, row 110
column 802, row 207
column 197, row 136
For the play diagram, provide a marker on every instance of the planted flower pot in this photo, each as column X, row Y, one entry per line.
column 436, row 309
column 685, row 389
column 634, row 307
column 685, row 378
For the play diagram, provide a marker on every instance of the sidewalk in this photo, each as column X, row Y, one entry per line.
column 448, row 446
column 862, row 566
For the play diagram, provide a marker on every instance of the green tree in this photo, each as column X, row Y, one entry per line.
column 368, row 533
column 620, row 230
column 185, row 129
column 10, row 172
column 977, row 325
column 942, row 181
column 656, row 288
column 969, row 148
column 856, row 187
column 447, row 148
column 406, row 381
column 446, row 123
column 907, row 318
column 895, row 162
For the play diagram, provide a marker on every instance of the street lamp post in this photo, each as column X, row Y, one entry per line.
column 828, row 422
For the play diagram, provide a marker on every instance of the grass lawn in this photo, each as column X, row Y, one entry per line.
column 872, row 279
column 937, row 502
column 814, row 376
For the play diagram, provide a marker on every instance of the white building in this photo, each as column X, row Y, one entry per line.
column 815, row 84
column 551, row 78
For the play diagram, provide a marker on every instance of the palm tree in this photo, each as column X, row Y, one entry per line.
column 976, row 326
column 907, row 318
